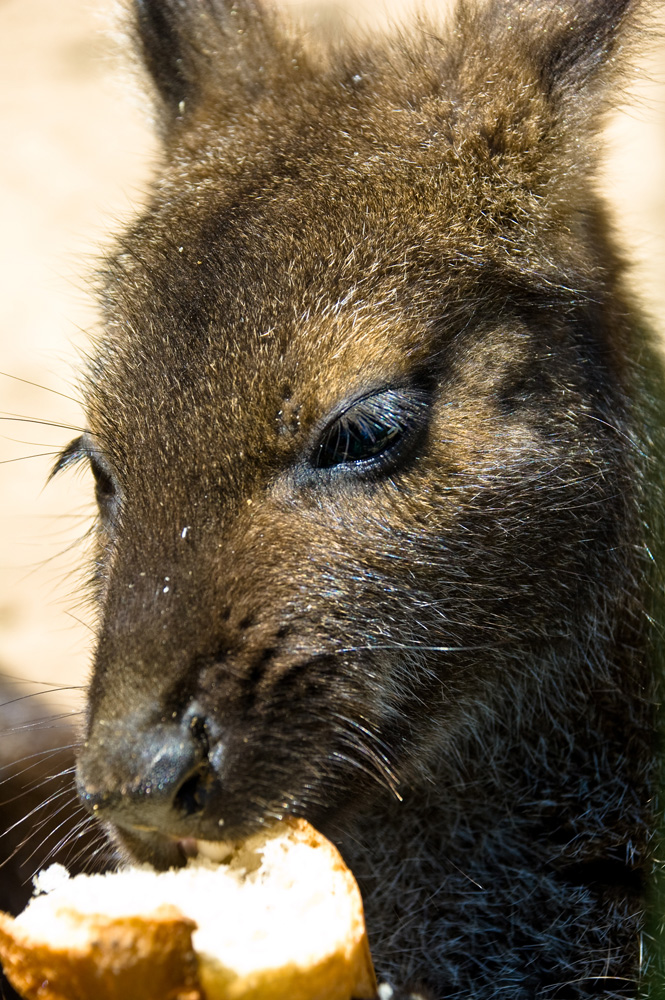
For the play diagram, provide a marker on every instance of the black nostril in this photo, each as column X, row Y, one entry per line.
column 191, row 796
column 189, row 799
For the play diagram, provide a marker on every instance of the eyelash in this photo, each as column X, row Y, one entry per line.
column 79, row 451
column 371, row 430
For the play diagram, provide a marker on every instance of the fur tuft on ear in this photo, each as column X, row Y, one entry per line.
column 183, row 43
column 566, row 44
column 576, row 39
column 533, row 79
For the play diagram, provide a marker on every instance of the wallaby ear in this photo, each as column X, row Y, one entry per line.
column 165, row 44
column 574, row 42
column 184, row 42
column 536, row 77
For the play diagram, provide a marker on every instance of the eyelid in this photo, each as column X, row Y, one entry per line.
column 70, row 456
column 81, row 449
column 407, row 391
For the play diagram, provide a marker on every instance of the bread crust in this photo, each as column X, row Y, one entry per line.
column 152, row 957
column 118, row 964
column 347, row 973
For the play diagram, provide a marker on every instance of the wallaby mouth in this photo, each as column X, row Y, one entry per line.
column 213, row 850
column 163, row 852
column 175, row 788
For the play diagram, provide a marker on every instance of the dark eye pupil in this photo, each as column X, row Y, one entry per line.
column 104, row 486
column 378, row 426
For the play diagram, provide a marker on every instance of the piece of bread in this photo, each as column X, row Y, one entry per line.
column 280, row 918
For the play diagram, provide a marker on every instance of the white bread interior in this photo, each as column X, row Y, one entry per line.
column 279, row 919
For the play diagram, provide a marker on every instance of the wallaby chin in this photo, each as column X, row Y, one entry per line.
column 377, row 458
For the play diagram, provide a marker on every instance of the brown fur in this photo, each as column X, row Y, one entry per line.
column 437, row 651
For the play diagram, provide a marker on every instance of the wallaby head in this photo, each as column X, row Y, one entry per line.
column 362, row 424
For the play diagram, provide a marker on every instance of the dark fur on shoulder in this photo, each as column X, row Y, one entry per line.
column 375, row 464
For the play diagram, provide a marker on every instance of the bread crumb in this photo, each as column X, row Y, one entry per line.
column 49, row 879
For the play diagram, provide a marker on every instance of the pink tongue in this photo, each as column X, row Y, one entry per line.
column 188, row 847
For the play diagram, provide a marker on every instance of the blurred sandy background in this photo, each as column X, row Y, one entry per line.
column 74, row 161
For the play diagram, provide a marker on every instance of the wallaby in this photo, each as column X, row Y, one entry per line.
column 376, row 444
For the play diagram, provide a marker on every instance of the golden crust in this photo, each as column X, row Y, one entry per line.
column 151, row 957
column 118, row 964
column 347, row 973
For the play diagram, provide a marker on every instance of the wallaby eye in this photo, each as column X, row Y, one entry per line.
column 373, row 427
column 105, row 489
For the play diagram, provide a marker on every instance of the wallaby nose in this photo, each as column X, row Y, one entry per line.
column 152, row 777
